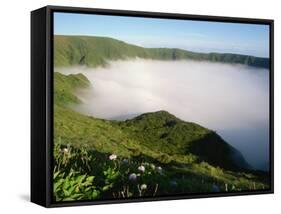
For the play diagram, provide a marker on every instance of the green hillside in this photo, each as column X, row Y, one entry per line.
column 66, row 85
column 178, row 156
column 96, row 51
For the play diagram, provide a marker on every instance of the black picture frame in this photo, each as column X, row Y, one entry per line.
column 42, row 101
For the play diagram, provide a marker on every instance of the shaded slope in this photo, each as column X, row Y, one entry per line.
column 214, row 150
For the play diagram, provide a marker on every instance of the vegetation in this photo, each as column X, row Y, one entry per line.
column 96, row 51
column 83, row 174
column 64, row 87
column 154, row 154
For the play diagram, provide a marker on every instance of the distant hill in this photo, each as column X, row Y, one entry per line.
column 96, row 51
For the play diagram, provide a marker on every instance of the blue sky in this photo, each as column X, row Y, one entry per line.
column 200, row 36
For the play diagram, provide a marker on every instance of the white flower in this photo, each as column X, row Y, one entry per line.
column 143, row 187
column 159, row 169
column 112, row 157
column 132, row 177
column 141, row 168
column 152, row 166
column 65, row 150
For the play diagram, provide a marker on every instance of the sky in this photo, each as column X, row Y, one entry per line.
column 199, row 36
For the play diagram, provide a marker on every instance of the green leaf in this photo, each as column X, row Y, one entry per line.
column 56, row 174
column 95, row 194
column 81, row 178
column 107, row 187
column 90, row 179
column 58, row 184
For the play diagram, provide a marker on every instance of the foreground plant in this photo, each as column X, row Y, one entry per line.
column 73, row 186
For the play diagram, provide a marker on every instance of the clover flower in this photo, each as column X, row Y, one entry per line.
column 132, row 177
column 143, row 187
column 152, row 166
column 112, row 157
column 141, row 168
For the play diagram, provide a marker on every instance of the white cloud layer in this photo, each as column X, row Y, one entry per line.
column 231, row 99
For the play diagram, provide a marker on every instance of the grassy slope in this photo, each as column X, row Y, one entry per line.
column 65, row 86
column 96, row 51
column 159, row 136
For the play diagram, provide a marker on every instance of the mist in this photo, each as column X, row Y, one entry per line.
column 232, row 100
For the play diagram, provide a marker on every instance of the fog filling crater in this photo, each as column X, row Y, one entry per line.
column 230, row 99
